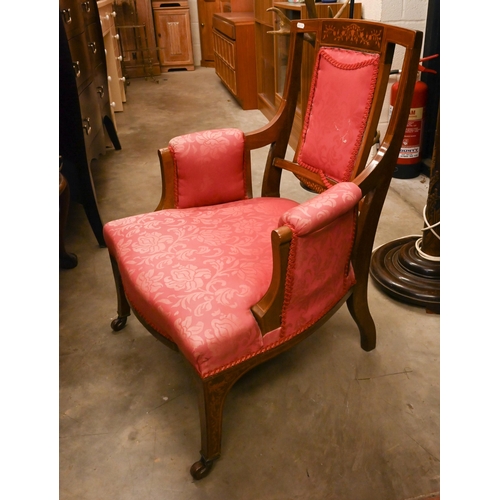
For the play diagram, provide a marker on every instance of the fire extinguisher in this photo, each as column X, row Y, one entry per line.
column 408, row 165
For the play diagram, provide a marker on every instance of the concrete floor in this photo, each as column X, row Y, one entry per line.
column 325, row 420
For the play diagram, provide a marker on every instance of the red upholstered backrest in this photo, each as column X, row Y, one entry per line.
column 342, row 89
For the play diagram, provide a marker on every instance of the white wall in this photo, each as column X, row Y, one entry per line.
column 195, row 31
column 411, row 14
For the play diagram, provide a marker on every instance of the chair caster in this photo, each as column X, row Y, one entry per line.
column 119, row 323
column 200, row 469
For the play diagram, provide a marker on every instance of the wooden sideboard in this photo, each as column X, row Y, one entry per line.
column 206, row 11
column 234, row 54
column 86, row 126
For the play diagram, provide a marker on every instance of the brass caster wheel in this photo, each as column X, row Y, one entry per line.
column 119, row 323
column 200, row 469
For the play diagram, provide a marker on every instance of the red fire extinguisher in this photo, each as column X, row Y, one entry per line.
column 408, row 164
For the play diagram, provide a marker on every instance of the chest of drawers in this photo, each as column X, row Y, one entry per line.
column 86, row 127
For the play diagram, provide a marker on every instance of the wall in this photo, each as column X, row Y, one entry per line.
column 195, row 31
column 410, row 14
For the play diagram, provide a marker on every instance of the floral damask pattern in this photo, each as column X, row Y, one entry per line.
column 195, row 273
column 201, row 160
column 319, row 273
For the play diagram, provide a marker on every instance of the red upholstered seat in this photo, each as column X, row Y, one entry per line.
column 193, row 274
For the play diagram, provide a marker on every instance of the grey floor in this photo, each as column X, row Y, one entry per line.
column 325, row 420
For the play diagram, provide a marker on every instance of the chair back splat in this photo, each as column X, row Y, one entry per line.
column 231, row 281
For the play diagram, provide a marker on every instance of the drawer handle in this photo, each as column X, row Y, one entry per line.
column 86, row 6
column 86, row 125
column 76, row 68
column 119, row 58
column 122, row 79
column 106, row 17
column 93, row 47
column 113, row 14
column 100, row 91
column 67, row 15
column 112, row 104
column 117, row 36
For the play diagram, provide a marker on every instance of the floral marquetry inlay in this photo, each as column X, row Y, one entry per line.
column 352, row 34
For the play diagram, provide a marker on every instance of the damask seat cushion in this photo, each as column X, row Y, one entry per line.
column 193, row 274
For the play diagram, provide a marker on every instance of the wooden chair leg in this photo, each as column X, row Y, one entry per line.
column 357, row 304
column 123, row 308
column 212, row 394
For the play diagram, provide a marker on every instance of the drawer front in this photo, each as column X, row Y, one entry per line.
column 72, row 15
column 80, row 57
column 224, row 27
column 89, row 9
column 224, row 61
column 90, row 114
column 95, row 44
column 101, row 87
column 106, row 14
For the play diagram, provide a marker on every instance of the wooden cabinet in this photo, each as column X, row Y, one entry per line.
column 206, row 11
column 135, row 25
column 116, row 80
column 272, row 55
column 85, row 120
column 234, row 52
column 173, row 35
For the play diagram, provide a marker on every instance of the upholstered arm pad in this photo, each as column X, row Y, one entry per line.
column 319, row 211
column 209, row 167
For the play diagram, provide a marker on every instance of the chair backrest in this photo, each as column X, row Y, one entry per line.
column 340, row 100
column 348, row 88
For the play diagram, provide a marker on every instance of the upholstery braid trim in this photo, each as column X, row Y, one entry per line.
column 306, row 122
column 289, row 279
column 362, row 128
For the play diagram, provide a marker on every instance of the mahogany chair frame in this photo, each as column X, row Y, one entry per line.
column 373, row 180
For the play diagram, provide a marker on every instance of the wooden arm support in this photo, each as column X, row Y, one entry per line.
column 267, row 311
column 167, row 168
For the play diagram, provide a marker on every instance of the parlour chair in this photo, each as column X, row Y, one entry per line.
column 230, row 280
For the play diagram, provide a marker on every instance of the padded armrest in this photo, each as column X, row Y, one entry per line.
column 319, row 211
column 209, row 167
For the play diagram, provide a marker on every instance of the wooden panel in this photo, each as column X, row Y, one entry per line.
column 261, row 14
column 173, row 32
column 235, row 56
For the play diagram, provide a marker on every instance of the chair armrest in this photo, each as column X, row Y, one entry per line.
column 194, row 165
column 297, row 224
column 323, row 209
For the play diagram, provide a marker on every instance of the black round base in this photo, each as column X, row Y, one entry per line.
column 400, row 272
